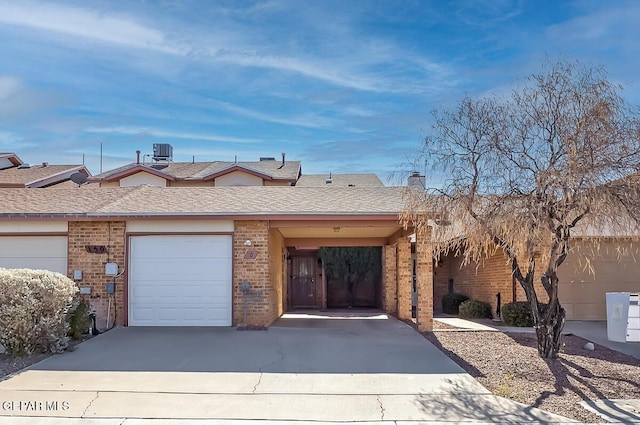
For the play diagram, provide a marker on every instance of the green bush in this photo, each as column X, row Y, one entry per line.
column 518, row 314
column 33, row 310
column 474, row 309
column 79, row 320
column 451, row 302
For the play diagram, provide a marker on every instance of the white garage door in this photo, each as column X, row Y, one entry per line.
column 34, row 252
column 180, row 280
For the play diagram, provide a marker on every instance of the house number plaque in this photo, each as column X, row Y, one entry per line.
column 250, row 254
column 96, row 249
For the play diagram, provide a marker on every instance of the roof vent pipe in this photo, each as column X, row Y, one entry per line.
column 137, row 157
column 283, row 158
column 329, row 180
column 45, row 164
column 417, row 180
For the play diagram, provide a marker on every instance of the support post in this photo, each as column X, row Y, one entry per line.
column 424, row 276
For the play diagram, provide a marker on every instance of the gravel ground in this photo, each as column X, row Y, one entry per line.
column 11, row 365
column 508, row 365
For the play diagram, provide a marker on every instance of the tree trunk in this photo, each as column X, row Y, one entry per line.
column 548, row 326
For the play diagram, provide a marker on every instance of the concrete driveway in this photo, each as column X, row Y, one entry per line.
column 305, row 367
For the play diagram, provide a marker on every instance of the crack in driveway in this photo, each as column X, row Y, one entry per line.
column 381, row 407
column 262, row 368
column 84, row 412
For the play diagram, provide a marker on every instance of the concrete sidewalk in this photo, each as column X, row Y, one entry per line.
column 366, row 370
column 124, row 421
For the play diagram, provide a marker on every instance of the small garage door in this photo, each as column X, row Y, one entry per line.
column 34, row 252
column 180, row 280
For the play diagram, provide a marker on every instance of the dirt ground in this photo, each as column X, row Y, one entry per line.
column 509, row 366
column 10, row 365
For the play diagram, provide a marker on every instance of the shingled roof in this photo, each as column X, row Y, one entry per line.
column 38, row 175
column 270, row 169
column 147, row 201
column 339, row 180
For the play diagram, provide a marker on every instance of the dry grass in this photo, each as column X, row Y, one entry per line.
column 509, row 366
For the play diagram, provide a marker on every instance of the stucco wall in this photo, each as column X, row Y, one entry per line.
column 238, row 178
column 141, row 178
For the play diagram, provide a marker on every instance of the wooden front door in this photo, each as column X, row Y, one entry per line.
column 303, row 281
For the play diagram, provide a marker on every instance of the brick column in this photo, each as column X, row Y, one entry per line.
column 404, row 277
column 261, row 305
column 111, row 235
column 424, row 280
column 389, row 276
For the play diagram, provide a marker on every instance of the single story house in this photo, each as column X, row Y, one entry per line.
column 162, row 171
column 212, row 256
column 14, row 173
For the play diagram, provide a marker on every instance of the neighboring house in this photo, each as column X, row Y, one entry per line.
column 15, row 173
column 581, row 293
column 211, row 256
column 339, row 180
column 163, row 172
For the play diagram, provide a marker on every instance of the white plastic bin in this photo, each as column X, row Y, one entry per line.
column 633, row 326
column 617, row 316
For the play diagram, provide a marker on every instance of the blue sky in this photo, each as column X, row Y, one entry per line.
column 343, row 86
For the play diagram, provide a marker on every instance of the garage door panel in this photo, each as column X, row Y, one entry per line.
column 34, row 252
column 179, row 269
column 54, row 264
column 176, row 246
column 201, row 289
column 180, row 280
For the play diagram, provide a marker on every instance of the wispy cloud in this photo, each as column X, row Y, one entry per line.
column 12, row 142
column 327, row 72
column 310, row 120
column 8, row 86
column 169, row 134
column 355, row 65
column 19, row 102
column 86, row 24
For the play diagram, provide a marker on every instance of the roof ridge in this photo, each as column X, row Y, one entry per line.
column 129, row 191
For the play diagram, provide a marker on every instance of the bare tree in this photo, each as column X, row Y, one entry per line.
column 526, row 172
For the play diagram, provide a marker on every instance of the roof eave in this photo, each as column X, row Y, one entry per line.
column 237, row 167
column 59, row 173
column 134, row 169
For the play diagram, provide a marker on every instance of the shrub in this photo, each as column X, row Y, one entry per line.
column 474, row 309
column 518, row 314
column 33, row 310
column 451, row 302
column 79, row 320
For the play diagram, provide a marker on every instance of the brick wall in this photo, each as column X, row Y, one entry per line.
column 261, row 305
column 389, row 282
column 481, row 281
column 277, row 261
column 424, row 280
column 404, row 277
column 441, row 275
column 111, row 235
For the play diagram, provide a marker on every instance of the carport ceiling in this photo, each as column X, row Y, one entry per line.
column 336, row 229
